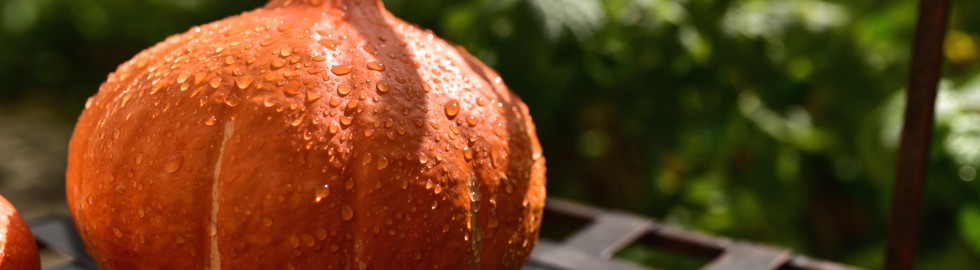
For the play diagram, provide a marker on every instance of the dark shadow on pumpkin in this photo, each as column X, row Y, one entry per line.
column 405, row 94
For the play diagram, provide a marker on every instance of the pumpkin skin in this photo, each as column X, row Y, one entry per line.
column 306, row 135
column 18, row 250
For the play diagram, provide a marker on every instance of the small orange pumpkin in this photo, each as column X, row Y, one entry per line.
column 310, row 135
column 18, row 250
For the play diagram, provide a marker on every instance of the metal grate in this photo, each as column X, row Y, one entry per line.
column 594, row 246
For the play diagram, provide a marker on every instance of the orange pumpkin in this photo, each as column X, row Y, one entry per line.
column 308, row 135
column 18, row 250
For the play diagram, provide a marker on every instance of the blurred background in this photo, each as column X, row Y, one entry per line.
column 775, row 121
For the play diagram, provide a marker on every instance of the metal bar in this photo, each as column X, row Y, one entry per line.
column 749, row 256
column 556, row 256
column 58, row 234
column 609, row 233
column 924, row 74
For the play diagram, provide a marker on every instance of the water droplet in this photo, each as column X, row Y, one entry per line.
column 346, row 212
column 244, row 82
column 437, row 189
column 286, row 52
column 266, row 221
column 293, row 241
column 229, row 60
column 321, row 234
column 285, row 26
column 312, row 96
column 322, row 192
column 383, row 87
column 435, row 204
column 269, row 102
column 173, row 164
column 334, row 102
column 352, row 104
column 349, row 184
column 319, row 58
column 117, row 232
column 341, row 70
column 472, row 121
column 481, row 101
column 382, row 162
column 376, row 66
column 452, row 108
column 308, row 240
column 278, row 63
column 215, row 82
column 428, row 184
column 329, row 44
column 210, row 121
column 344, row 89
column 182, row 76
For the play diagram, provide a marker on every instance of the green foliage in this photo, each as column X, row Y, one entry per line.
column 771, row 120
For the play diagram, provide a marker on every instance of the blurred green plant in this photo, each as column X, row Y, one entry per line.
column 771, row 120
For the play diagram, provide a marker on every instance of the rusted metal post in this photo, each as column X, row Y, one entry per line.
column 924, row 74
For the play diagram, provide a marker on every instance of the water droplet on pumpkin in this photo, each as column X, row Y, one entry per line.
column 244, row 81
column 376, row 66
column 329, row 44
column 341, row 70
column 352, row 104
column 278, row 63
column 215, row 82
column 472, row 121
column 308, row 240
column 117, row 232
column 312, row 96
column 322, row 192
column 435, row 204
column 266, row 221
column 182, row 76
column 210, row 121
column 321, row 234
column 285, row 26
column 334, row 102
column 269, row 102
column 383, row 87
column 293, row 241
column 382, row 162
column 346, row 212
column 349, row 184
column 173, row 164
column 452, row 108
column 344, row 89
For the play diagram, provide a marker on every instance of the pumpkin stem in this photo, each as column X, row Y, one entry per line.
column 290, row 3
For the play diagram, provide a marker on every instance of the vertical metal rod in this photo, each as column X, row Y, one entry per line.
column 924, row 74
